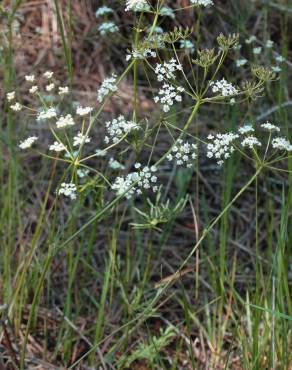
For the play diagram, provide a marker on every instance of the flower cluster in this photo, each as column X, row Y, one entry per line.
column 166, row 70
column 107, row 27
column 57, row 147
column 80, row 139
column 107, row 86
column 118, row 128
column 221, row 146
column 167, row 95
column 65, row 121
column 137, row 5
column 270, row 127
column 68, row 190
column 103, row 10
column 27, row 143
column 223, row 87
column 282, row 143
column 135, row 182
column 250, row 142
column 47, row 114
column 246, row 129
column 83, row 111
column 141, row 54
column 183, row 153
column 202, row 2
column 187, row 45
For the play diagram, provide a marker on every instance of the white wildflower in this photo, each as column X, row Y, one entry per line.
column 116, row 165
column 101, row 152
column 63, row 90
column 135, row 182
column 83, row 111
column 187, row 45
column 270, row 127
column 240, row 62
column 118, row 128
column 166, row 69
column 10, row 96
column 223, row 87
column 103, row 10
column 269, row 44
column 68, row 190
column 166, row 11
column 80, row 139
column 47, row 114
column 276, row 69
column 136, row 5
column 33, row 89
column 50, row 87
column 282, row 143
column 246, row 129
column 202, row 2
column 257, row 50
column 141, row 54
column 30, row 78
column 220, row 146
column 65, row 121
column 48, row 74
column 16, row 107
column 27, row 143
column 250, row 40
column 108, row 27
column 250, row 142
column 57, row 147
column 167, row 95
column 280, row 59
column 108, row 85
column 183, row 153
column 81, row 173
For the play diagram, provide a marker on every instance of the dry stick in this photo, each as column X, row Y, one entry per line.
column 177, row 274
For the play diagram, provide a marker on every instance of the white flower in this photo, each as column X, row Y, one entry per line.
column 80, row 139
column 16, row 107
column 250, row 141
column 108, row 27
column 257, row 50
column 30, row 78
column 48, row 74
column 50, row 87
column 220, row 146
column 103, row 10
column 118, row 128
column 270, row 127
column 81, row 173
column 167, row 95
column 116, row 165
column 166, row 11
column 65, row 121
column 246, row 129
column 83, row 111
column 202, row 2
column 27, row 143
column 68, row 190
column 223, row 87
column 269, row 44
column 57, row 147
column 250, row 40
column 187, row 45
column 33, row 89
column 101, row 152
column 108, row 85
column 282, row 143
column 63, row 90
column 135, row 182
column 141, row 54
column 241, row 62
column 47, row 114
column 280, row 59
column 183, row 153
column 136, row 5
column 10, row 96
column 276, row 69
column 166, row 69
